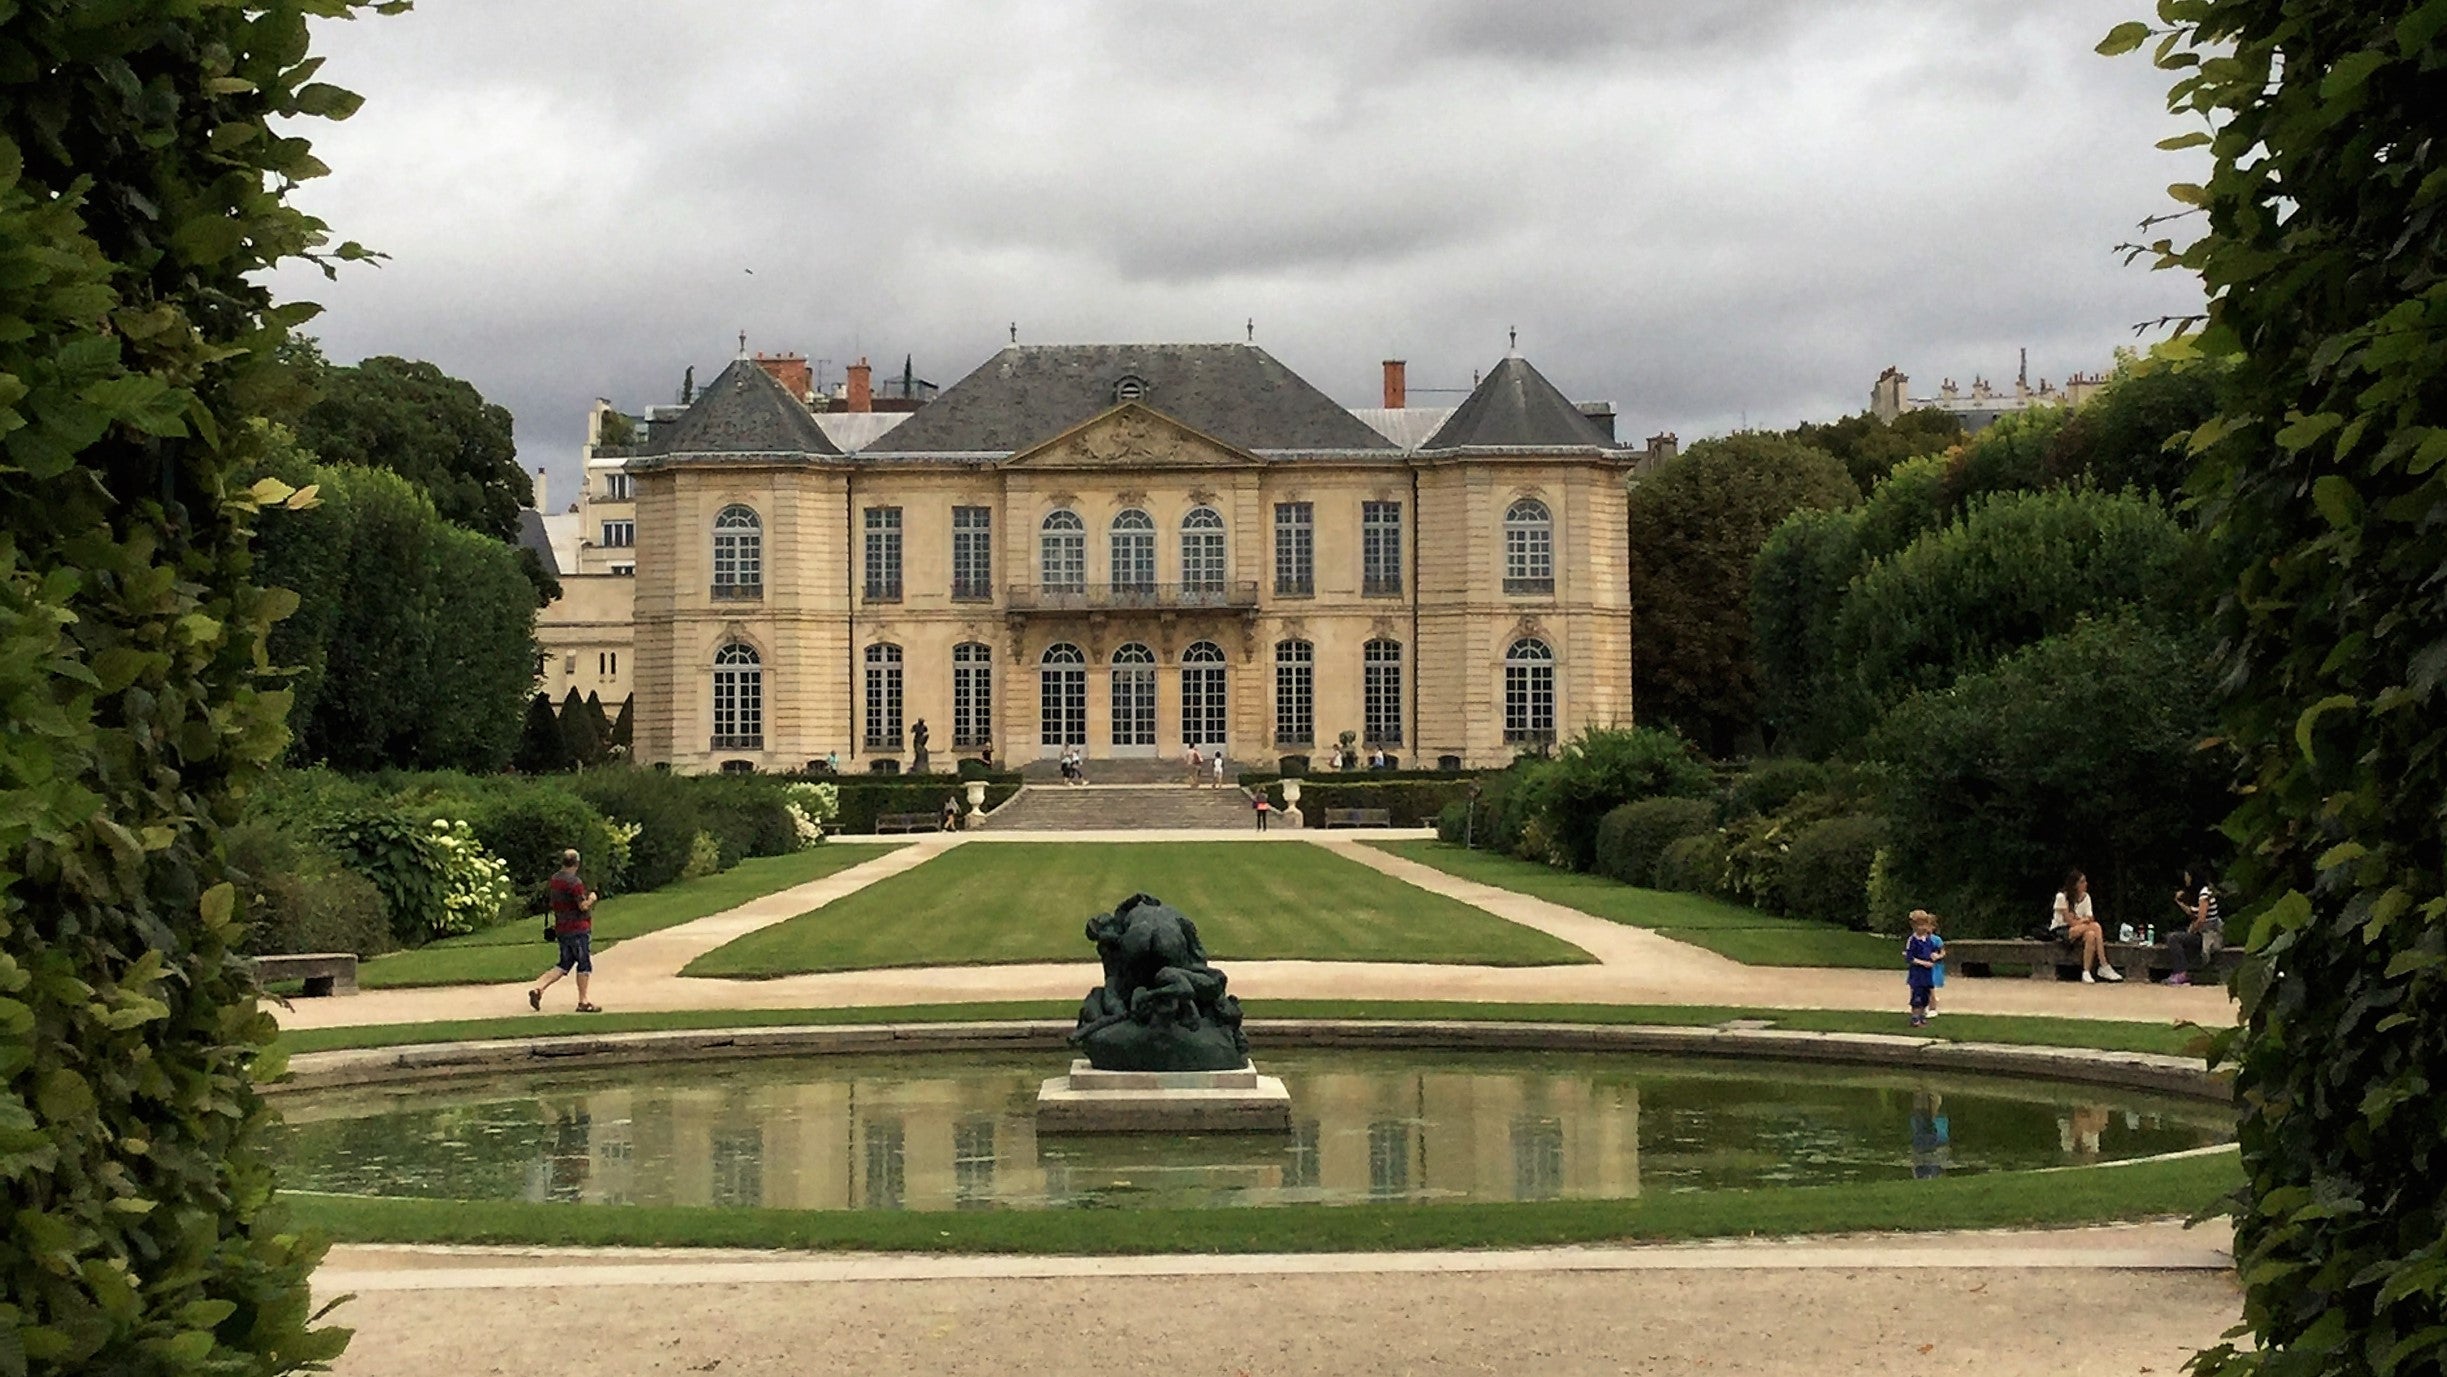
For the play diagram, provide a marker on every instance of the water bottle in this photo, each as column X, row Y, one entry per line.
column 2152, row 937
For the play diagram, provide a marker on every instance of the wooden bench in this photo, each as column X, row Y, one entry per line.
column 321, row 973
column 907, row 822
column 2058, row 961
column 1358, row 817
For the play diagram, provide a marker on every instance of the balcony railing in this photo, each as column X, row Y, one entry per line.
column 883, row 741
column 755, row 742
column 738, row 592
column 972, row 591
column 1540, row 737
column 1381, row 586
column 1544, row 587
column 880, row 591
column 1294, row 586
column 1102, row 597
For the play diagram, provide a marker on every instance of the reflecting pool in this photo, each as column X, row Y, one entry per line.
column 958, row 1132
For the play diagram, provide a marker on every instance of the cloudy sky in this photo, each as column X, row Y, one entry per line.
column 1711, row 213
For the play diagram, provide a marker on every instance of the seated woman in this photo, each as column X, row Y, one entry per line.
column 2076, row 924
column 2203, row 934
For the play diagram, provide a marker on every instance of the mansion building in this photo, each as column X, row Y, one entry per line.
column 1125, row 550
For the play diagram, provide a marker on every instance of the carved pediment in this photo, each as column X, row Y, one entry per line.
column 1132, row 436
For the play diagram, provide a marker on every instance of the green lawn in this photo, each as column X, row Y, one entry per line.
column 1029, row 901
column 2116, row 1035
column 516, row 950
column 2166, row 1186
column 1745, row 934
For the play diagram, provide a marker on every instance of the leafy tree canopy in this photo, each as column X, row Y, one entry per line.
column 428, row 427
column 1869, row 448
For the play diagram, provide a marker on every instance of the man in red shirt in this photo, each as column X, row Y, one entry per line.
column 573, row 922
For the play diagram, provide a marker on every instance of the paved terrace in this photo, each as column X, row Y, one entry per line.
column 1634, row 966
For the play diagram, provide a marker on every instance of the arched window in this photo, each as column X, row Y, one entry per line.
column 1062, row 552
column 883, row 698
column 1381, row 693
column 1134, row 552
column 739, row 698
column 972, row 695
column 1529, row 691
column 1062, row 697
column 1529, row 547
column 739, row 553
column 1295, row 693
column 1202, row 551
column 1203, row 716
column 1134, row 697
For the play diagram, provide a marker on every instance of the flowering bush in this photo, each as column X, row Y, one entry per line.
column 622, row 837
column 810, row 807
column 475, row 883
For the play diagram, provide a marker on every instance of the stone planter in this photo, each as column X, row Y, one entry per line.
column 976, row 790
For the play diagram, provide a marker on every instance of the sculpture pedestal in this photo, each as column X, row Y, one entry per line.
column 1092, row 1101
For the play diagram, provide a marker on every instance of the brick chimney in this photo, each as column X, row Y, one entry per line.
column 862, row 386
column 542, row 503
column 790, row 370
column 1396, row 390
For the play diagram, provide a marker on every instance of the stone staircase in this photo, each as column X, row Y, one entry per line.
column 1059, row 807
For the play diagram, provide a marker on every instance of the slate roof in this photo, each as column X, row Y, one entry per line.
column 1515, row 407
column 744, row 411
column 1029, row 393
column 532, row 535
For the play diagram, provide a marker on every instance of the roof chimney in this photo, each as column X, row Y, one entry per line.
column 790, row 370
column 862, row 386
column 1396, row 390
column 541, row 503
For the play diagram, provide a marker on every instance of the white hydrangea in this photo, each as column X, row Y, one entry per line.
column 476, row 884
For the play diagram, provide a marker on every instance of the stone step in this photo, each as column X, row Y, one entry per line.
column 1102, row 807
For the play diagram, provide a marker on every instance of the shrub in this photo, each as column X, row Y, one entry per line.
column 1826, row 870
column 863, row 800
column 664, row 811
column 1453, row 822
column 435, row 878
column 1890, row 912
column 1632, row 839
column 1409, row 802
column 1604, row 768
column 299, row 898
column 704, row 857
column 1695, row 864
column 1769, row 785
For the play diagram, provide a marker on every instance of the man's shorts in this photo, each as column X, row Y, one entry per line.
column 577, row 952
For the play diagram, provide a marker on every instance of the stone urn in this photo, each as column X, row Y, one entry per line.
column 976, row 790
column 1291, row 803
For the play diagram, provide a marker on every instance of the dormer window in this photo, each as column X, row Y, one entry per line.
column 1131, row 388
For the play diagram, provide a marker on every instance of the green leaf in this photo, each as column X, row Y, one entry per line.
column 321, row 98
column 2303, row 431
column 2337, row 501
column 2347, row 74
column 2124, row 38
column 2188, row 193
column 2192, row 140
column 217, row 904
column 2311, row 716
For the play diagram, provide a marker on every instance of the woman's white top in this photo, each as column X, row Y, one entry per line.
column 2067, row 912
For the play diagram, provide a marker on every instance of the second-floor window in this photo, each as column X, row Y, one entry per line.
column 1380, row 530
column 616, row 487
column 883, row 554
column 1134, row 552
column 739, row 553
column 1062, row 551
column 883, row 697
column 1202, row 550
column 619, row 535
column 972, row 553
column 1529, row 548
column 1295, row 548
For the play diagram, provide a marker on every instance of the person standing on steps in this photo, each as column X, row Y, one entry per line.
column 1218, row 767
column 573, row 923
column 1196, row 764
column 1264, row 807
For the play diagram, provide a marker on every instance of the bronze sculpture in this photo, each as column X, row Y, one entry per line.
column 1161, row 1007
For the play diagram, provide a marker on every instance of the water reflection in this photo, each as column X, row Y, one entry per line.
column 949, row 1133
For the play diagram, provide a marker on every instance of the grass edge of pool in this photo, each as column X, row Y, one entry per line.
column 2189, row 1185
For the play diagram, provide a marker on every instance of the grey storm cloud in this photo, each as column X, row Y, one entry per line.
column 1712, row 214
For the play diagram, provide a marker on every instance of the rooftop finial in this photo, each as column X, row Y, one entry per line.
column 1015, row 332
column 1251, row 329
column 1512, row 340
column 743, row 344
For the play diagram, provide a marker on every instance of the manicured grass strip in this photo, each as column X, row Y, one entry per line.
column 1745, row 934
column 2106, row 1034
column 2181, row 1186
column 516, row 950
column 1028, row 901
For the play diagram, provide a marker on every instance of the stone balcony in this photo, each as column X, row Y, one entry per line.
column 1021, row 599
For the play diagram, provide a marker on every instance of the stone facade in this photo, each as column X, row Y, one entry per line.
column 1130, row 583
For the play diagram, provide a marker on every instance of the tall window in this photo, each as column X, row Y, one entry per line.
column 619, row 535
column 1529, row 548
column 883, row 554
column 1380, row 546
column 1134, row 552
column 973, row 1165
column 1295, row 549
column 1134, row 696
column 1202, row 695
column 1062, row 552
column 1295, row 693
column 887, row 1153
column 1062, row 697
column 1529, row 691
column 739, row 699
column 739, row 553
column 972, row 554
column 1202, row 551
column 619, row 487
column 1537, row 1158
column 972, row 694
column 1388, row 1159
column 1381, row 692
column 883, row 698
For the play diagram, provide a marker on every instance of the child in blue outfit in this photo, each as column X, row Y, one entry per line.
column 1920, row 956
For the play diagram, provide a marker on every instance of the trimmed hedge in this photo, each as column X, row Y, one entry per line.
column 1412, row 802
column 1252, row 779
column 1632, row 839
column 301, row 899
column 1695, row 864
column 1826, row 871
column 865, row 800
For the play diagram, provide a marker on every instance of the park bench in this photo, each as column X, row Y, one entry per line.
column 907, row 822
column 1358, row 817
column 2057, row 961
column 321, row 973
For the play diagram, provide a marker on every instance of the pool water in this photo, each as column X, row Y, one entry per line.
column 947, row 1132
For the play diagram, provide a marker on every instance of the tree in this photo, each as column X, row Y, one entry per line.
column 622, row 738
column 2322, row 485
column 430, row 428
column 145, row 156
column 540, row 748
column 2120, row 439
column 1869, row 448
column 2080, row 750
column 1696, row 526
column 581, row 739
